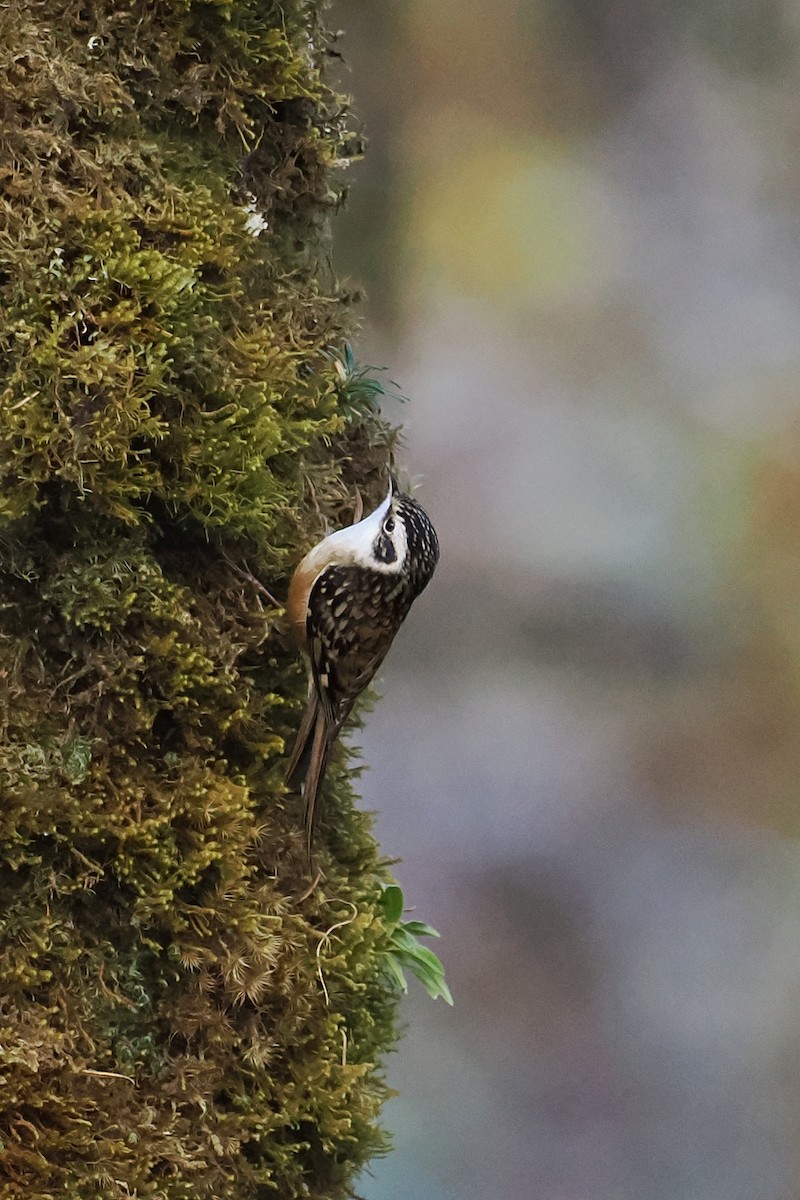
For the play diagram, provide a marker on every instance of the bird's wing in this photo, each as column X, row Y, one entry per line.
column 350, row 626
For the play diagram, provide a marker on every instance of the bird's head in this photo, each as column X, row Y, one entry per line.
column 397, row 538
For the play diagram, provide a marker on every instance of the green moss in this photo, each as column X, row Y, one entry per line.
column 178, row 1019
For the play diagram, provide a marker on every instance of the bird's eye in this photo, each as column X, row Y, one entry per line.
column 388, row 525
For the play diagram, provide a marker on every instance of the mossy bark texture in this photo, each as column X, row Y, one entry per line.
column 177, row 1019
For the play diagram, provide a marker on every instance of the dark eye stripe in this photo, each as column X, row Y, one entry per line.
column 384, row 550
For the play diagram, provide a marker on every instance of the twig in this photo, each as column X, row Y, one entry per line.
column 326, row 937
column 250, row 577
column 311, row 888
column 107, row 1074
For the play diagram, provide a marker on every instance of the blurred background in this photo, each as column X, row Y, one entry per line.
column 578, row 226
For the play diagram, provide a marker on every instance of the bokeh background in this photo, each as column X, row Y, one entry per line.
column 578, row 225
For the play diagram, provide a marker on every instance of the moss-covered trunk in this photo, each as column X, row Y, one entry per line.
column 176, row 1018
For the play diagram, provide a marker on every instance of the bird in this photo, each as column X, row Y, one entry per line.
column 347, row 599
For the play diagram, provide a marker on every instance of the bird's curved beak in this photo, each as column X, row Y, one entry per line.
column 380, row 512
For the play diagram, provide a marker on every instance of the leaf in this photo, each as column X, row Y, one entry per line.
column 426, row 958
column 432, row 980
column 393, row 968
column 392, row 903
column 420, row 929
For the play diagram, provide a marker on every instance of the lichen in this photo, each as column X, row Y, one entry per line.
column 180, row 1017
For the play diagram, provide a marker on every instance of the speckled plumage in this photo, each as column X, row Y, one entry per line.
column 347, row 600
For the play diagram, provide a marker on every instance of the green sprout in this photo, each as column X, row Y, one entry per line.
column 405, row 953
column 358, row 388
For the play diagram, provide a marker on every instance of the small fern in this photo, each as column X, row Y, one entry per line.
column 405, row 952
column 358, row 389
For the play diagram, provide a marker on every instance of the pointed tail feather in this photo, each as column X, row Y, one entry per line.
column 318, row 761
column 307, row 764
column 301, row 753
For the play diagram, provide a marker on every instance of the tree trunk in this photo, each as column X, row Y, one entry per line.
column 179, row 1016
